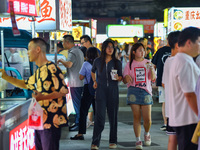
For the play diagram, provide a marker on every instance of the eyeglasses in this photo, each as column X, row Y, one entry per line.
column 83, row 43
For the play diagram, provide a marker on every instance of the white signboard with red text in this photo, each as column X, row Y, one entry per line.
column 65, row 15
column 159, row 30
column 48, row 19
column 94, row 28
column 22, row 138
column 182, row 17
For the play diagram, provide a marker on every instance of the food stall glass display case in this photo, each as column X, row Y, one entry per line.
column 14, row 102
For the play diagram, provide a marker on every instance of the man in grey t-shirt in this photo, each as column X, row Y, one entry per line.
column 73, row 65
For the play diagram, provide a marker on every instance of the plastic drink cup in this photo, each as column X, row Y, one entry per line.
column 148, row 65
column 113, row 74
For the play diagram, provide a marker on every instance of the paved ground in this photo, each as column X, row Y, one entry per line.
column 126, row 138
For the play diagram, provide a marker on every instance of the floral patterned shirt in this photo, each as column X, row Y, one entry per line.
column 47, row 79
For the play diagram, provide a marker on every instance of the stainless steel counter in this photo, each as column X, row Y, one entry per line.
column 16, row 112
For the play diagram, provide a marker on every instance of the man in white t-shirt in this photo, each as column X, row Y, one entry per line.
column 173, row 42
column 183, row 76
column 15, row 57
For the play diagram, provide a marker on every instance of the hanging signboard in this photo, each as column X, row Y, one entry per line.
column 148, row 24
column 125, row 30
column 159, row 30
column 65, row 15
column 21, row 7
column 182, row 17
column 13, row 21
column 94, row 28
column 48, row 19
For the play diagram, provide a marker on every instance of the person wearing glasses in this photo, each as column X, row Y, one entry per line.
column 87, row 42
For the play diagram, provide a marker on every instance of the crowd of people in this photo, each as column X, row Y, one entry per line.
column 94, row 76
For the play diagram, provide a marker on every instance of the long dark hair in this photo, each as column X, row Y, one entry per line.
column 91, row 54
column 103, row 53
column 134, row 48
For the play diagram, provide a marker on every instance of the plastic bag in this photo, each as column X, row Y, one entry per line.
column 35, row 115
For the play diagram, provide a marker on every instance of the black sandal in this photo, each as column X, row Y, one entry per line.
column 76, row 137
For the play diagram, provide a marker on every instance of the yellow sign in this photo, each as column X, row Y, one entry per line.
column 166, row 17
column 123, row 40
column 77, row 32
column 157, row 41
column 59, row 35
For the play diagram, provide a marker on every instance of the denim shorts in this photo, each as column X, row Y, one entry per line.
column 138, row 96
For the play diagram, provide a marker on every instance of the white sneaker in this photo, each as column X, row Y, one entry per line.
column 94, row 147
column 147, row 140
column 112, row 146
column 138, row 145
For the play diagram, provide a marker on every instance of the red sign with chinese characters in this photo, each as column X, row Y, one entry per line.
column 46, row 10
column 148, row 24
column 14, row 24
column 22, row 137
column 25, row 7
column 192, row 15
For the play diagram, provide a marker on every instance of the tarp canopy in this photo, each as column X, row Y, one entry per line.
column 15, row 41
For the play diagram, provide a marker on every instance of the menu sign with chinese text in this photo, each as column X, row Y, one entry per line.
column 25, row 7
column 182, row 17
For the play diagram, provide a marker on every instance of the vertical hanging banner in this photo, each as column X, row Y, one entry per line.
column 65, row 15
column 13, row 21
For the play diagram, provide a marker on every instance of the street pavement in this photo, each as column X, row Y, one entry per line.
column 126, row 137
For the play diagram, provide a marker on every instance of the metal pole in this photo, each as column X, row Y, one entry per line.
column 2, row 49
column 33, row 27
column 55, row 46
column 3, row 58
